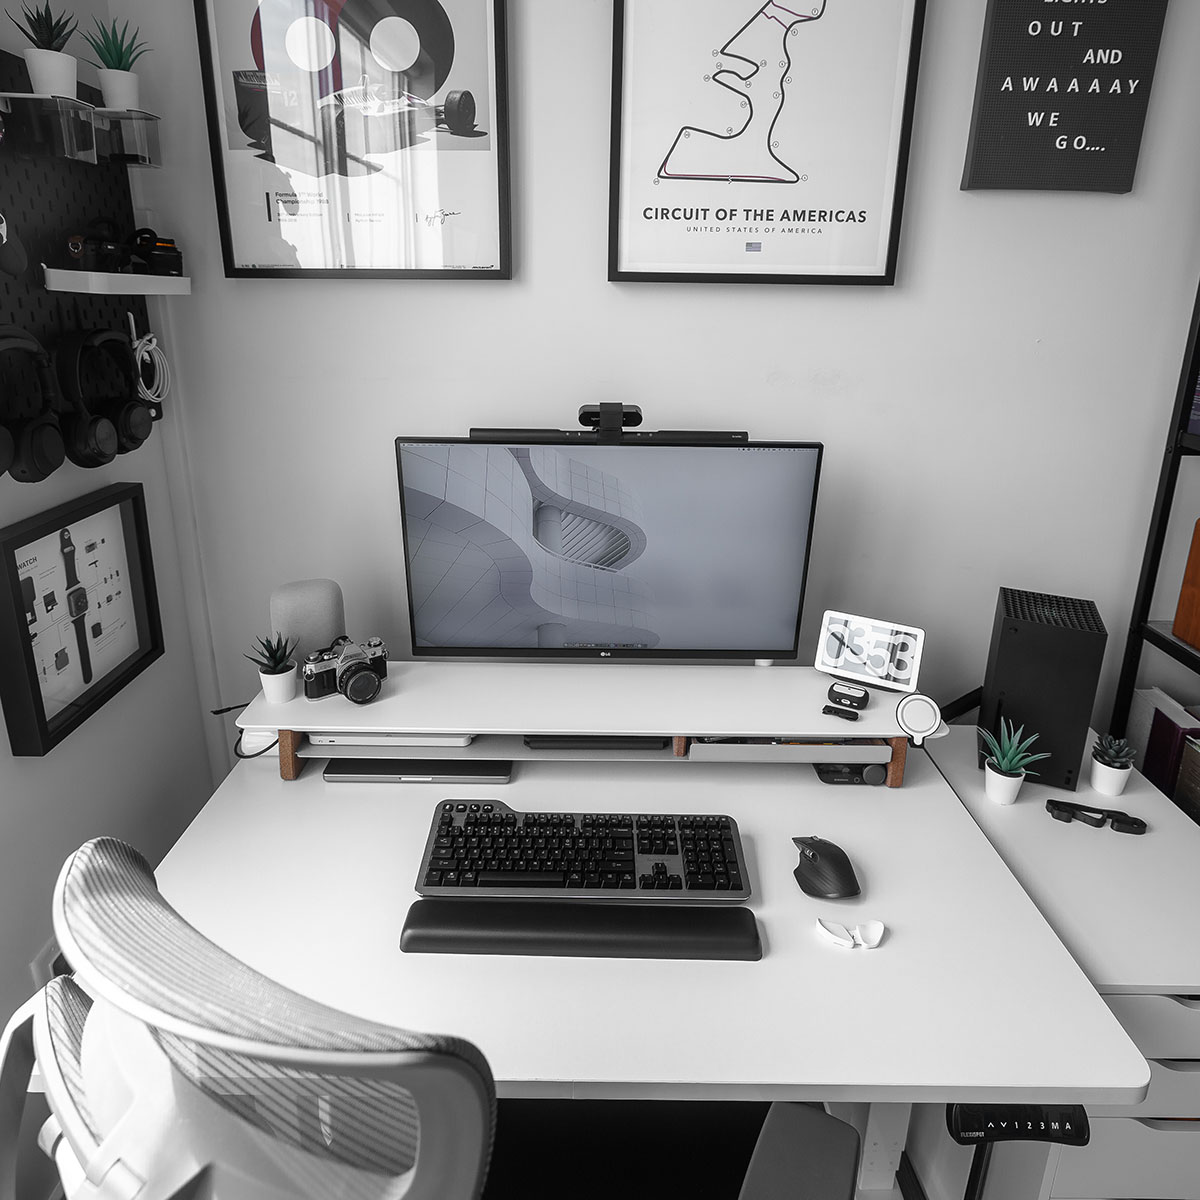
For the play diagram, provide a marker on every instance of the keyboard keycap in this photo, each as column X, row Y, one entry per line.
column 522, row 879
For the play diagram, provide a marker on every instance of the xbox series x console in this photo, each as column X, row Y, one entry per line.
column 1042, row 671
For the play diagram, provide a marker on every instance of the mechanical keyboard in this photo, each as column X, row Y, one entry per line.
column 484, row 848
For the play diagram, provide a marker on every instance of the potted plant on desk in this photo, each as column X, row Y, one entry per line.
column 276, row 668
column 1112, row 764
column 116, row 51
column 51, row 72
column 1007, row 762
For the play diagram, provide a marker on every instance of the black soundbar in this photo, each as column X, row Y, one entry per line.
column 580, row 929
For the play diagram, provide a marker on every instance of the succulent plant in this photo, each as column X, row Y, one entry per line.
column 45, row 29
column 1115, row 752
column 273, row 654
column 116, row 49
column 1009, row 754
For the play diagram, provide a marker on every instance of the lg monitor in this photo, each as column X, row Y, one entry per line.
column 644, row 550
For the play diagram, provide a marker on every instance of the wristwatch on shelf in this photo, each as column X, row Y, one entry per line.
column 77, row 604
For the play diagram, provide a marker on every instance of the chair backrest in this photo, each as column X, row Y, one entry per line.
column 173, row 1068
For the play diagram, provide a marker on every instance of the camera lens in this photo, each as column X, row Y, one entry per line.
column 358, row 683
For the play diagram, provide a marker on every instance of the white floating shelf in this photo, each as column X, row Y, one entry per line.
column 113, row 283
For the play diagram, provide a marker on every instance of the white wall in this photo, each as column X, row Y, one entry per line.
column 135, row 770
column 996, row 418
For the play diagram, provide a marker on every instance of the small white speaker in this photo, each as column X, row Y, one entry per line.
column 310, row 610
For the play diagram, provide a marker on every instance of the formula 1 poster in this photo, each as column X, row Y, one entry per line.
column 358, row 137
column 761, row 142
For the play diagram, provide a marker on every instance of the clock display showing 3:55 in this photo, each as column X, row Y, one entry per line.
column 871, row 652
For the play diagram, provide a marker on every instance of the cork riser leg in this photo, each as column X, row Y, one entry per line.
column 290, row 765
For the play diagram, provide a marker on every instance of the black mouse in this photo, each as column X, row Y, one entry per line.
column 825, row 870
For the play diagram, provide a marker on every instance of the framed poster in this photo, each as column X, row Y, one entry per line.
column 358, row 137
column 760, row 143
column 78, row 613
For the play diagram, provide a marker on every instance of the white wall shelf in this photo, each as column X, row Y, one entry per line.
column 115, row 283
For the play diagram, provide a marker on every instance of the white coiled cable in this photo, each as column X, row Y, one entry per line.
column 147, row 350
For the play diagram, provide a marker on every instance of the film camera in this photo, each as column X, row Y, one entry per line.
column 355, row 669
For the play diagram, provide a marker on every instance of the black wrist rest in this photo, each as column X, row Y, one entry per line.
column 580, row 929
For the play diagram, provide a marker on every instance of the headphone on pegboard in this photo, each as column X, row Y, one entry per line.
column 31, row 447
column 102, row 361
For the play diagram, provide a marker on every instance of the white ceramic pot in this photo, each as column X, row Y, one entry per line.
column 279, row 689
column 999, row 787
column 119, row 89
column 1109, row 781
column 51, row 72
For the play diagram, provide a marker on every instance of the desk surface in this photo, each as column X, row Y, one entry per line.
column 727, row 700
column 309, row 882
column 1123, row 905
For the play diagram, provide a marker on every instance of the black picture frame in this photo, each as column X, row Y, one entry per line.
column 78, row 613
column 319, row 177
column 688, row 202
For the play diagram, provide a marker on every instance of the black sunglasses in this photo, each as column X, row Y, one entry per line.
column 1121, row 822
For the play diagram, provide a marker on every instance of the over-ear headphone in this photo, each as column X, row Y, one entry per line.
column 129, row 416
column 37, row 441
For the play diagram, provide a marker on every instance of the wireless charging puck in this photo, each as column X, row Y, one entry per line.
column 871, row 774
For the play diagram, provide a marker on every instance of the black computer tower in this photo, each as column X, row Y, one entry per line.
column 1042, row 670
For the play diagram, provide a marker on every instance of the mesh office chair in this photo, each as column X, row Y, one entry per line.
column 182, row 1073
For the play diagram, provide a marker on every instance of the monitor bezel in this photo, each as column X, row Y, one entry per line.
column 569, row 438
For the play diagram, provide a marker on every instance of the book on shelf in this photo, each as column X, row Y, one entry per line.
column 1157, row 729
column 1187, row 783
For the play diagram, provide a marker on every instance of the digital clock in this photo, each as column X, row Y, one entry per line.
column 875, row 653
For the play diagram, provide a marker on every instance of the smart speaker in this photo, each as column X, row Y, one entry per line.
column 1042, row 670
column 310, row 610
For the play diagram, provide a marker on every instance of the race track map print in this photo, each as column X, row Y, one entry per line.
column 358, row 136
column 761, row 142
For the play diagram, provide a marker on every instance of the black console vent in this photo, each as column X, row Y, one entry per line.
column 1063, row 611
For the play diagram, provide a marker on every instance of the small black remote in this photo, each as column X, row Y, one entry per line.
column 847, row 714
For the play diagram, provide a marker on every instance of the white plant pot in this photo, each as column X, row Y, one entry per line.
column 279, row 689
column 119, row 89
column 1109, row 781
column 51, row 72
column 1001, row 788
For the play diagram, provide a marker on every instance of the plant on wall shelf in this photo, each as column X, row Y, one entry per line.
column 45, row 29
column 115, row 49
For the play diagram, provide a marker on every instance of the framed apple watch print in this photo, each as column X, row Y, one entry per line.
column 79, row 613
column 760, row 142
column 358, row 138
column 874, row 653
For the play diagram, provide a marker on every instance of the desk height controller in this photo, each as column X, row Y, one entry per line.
column 980, row 1125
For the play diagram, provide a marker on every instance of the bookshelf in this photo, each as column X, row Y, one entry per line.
column 1181, row 444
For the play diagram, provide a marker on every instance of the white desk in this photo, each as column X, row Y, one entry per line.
column 309, row 882
column 1124, row 906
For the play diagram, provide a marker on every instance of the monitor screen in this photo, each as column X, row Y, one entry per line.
column 644, row 549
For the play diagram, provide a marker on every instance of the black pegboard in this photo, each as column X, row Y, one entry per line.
column 43, row 199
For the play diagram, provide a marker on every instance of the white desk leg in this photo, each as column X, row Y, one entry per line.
column 883, row 1129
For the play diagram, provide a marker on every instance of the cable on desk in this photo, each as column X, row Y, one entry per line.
column 237, row 745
